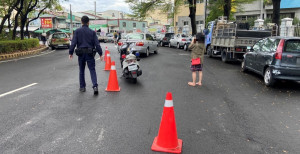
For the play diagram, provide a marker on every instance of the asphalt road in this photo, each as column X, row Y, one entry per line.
column 233, row 112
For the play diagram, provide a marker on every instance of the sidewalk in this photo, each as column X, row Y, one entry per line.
column 22, row 54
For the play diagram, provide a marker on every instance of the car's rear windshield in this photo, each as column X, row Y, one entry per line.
column 169, row 34
column 292, row 46
column 136, row 36
column 58, row 36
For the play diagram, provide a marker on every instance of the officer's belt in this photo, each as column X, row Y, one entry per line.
column 85, row 50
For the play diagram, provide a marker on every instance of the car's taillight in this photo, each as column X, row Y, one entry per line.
column 165, row 38
column 278, row 54
column 123, row 56
column 120, row 43
column 238, row 49
column 183, row 39
column 139, row 43
column 53, row 40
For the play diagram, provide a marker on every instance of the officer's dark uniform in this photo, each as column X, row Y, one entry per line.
column 86, row 39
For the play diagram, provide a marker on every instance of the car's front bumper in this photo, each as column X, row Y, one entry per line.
column 60, row 45
column 285, row 73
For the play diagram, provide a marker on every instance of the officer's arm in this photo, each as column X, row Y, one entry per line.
column 97, row 44
column 73, row 44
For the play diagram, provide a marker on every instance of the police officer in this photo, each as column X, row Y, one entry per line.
column 86, row 40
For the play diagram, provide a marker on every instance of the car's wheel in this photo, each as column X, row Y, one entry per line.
column 224, row 56
column 243, row 66
column 178, row 46
column 52, row 48
column 155, row 52
column 185, row 47
column 147, row 52
column 209, row 51
column 268, row 78
column 161, row 44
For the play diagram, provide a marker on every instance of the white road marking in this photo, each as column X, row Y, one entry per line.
column 10, row 92
column 101, row 137
column 183, row 54
column 27, row 57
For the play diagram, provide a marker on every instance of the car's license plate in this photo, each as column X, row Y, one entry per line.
column 60, row 45
column 132, row 67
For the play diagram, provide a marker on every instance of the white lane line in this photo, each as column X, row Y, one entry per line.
column 42, row 53
column 10, row 92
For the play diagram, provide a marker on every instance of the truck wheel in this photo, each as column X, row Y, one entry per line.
column 268, row 78
column 209, row 51
column 224, row 56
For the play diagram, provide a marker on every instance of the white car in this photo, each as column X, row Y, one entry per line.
column 144, row 43
column 179, row 41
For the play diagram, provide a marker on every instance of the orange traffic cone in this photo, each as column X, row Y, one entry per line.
column 106, row 52
column 166, row 140
column 113, row 84
column 107, row 63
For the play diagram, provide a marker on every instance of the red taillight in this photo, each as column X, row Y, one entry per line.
column 183, row 39
column 278, row 54
column 165, row 38
column 238, row 49
column 123, row 56
column 120, row 43
column 53, row 40
column 139, row 43
column 66, row 39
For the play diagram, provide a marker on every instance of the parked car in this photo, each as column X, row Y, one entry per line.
column 179, row 41
column 59, row 40
column 275, row 58
column 144, row 43
column 102, row 38
column 165, row 39
column 110, row 37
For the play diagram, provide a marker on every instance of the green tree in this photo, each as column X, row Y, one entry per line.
column 142, row 8
column 6, row 11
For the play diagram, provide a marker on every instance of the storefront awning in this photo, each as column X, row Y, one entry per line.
column 42, row 31
column 97, row 27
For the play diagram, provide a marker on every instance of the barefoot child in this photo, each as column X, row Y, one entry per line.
column 198, row 49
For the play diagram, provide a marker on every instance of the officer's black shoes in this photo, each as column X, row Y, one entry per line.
column 95, row 90
column 82, row 89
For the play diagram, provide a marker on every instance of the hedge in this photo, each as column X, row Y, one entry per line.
column 17, row 45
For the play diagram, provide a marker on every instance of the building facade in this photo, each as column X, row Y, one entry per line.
column 182, row 21
column 259, row 10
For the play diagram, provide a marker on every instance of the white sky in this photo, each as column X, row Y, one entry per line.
column 101, row 5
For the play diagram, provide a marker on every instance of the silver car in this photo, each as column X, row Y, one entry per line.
column 179, row 41
column 144, row 43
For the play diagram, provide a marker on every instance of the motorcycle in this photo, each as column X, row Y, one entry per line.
column 129, row 62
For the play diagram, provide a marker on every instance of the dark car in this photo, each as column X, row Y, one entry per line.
column 165, row 40
column 275, row 58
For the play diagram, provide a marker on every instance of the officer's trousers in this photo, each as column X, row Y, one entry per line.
column 90, row 61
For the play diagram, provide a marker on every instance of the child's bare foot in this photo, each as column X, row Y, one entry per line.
column 192, row 84
column 199, row 83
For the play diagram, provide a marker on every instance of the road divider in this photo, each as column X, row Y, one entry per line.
column 13, row 91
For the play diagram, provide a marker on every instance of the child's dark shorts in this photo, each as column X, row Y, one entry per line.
column 196, row 68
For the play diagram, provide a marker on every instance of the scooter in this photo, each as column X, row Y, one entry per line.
column 129, row 62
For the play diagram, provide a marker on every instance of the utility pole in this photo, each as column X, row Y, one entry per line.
column 71, row 20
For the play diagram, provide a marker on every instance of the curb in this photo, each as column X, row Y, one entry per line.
column 21, row 54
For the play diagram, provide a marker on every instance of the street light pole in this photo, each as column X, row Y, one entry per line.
column 95, row 12
column 205, row 12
